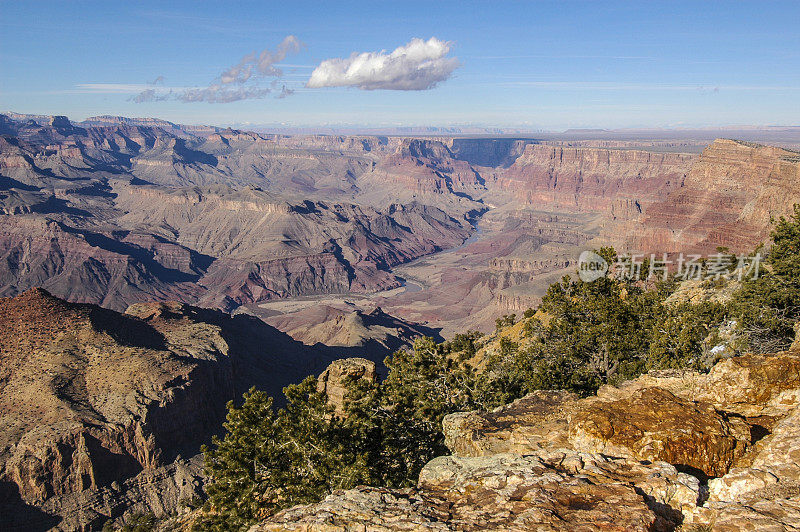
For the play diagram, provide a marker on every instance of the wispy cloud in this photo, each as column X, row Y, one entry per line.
column 150, row 95
column 568, row 56
column 418, row 65
column 262, row 63
column 615, row 86
column 221, row 94
column 242, row 81
column 109, row 88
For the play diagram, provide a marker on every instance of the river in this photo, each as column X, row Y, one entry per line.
column 410, row 286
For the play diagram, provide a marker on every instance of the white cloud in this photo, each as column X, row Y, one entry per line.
column 419, row 65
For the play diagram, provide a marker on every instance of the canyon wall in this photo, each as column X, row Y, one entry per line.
column 97, row 407
column 115, row 211
column 621, row 181
column 728, row 199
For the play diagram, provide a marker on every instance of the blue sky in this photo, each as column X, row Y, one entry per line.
column 540, row 65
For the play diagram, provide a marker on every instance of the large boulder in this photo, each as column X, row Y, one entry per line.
column 647, row 424
column 537, row 421
column 706, row 422
column 558, row 491
column 540, row 484
column 654, row 424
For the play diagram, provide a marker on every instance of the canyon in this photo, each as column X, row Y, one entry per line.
column 151, row 272
column 115, row 211
column 103, row 413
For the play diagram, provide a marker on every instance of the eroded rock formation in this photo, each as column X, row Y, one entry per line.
column 669, row 449
column 334, row 382
column 96, row 406
column 727, row 199
column 593, row 179
column 114, row 211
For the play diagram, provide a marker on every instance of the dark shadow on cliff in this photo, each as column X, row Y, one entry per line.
column 259, row 355
column 53, row 205
column 269, row 359
column 7, row 183
column 18, row 516
column 126, row 330
column 142, row 255
column 192, row 156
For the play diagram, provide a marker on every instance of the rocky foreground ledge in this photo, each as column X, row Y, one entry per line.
column 671, row 449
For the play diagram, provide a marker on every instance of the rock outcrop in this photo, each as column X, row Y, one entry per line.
column 653, row 424
column 668, row 449
column 91, row 398
column 334, row 382
column 763, row 496
column 96, row 406
column 535, row 422
column 560, row 491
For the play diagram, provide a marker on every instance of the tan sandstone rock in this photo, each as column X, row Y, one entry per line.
column 750, row 385
column 654, row 424
column 665, row 490
column 339, row 374
column 501, row 492
column 362, row 508
column 537, row 421
column 761, row 516
column 765, row 496
column 754, row 385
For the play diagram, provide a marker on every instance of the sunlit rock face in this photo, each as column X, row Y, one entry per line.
column 335, row 381
column 727, row 199
column 633, row 457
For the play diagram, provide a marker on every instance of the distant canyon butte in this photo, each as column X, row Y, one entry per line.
column 336, row 239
